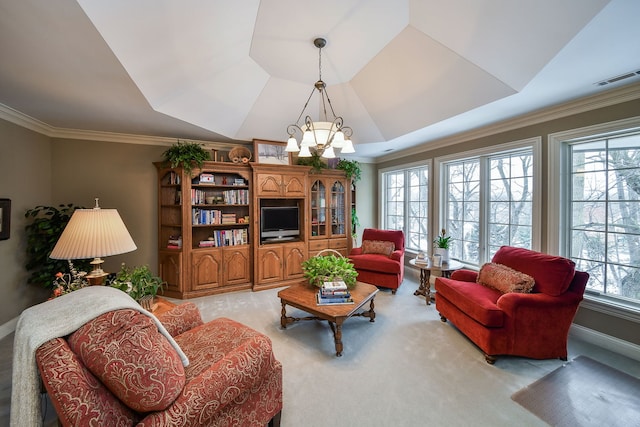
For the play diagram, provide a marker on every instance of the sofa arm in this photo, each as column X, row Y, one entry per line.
column 397, row 255
column 240, row 370
column 464, row 275
column 356, row 251
column 181, row 318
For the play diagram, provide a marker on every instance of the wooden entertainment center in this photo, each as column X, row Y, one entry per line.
column 210, row 238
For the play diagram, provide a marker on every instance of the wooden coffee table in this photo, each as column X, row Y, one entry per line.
column 303, row 296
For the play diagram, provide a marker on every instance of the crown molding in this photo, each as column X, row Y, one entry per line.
column 16, row 117
column 582, row 105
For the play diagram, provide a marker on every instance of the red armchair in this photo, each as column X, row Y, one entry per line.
column 381, row 264
column 534, row 325
column 108, row 372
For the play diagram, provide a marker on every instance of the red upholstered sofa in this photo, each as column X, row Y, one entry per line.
column 376, row 266
column 534, row 325
column 117, row 370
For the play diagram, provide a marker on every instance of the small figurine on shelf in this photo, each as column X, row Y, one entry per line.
column 224, row 180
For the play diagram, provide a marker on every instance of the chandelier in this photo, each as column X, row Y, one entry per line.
column 322, row 136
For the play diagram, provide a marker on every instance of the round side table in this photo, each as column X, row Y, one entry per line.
column 425, row 274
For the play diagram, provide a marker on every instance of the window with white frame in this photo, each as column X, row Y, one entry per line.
column 406, row 205
column 489, row 200
column 603, row 211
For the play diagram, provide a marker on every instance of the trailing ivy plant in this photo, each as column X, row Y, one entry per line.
column 44, row 230
column 351, row 168
column 321, row 268
column 185, row 154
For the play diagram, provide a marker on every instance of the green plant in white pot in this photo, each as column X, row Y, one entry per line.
column 442, row 243
column 328, row 268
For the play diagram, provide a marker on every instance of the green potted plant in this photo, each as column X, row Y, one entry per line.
column 185, row 155
column 442, row 244
column 351, row 169
column 138, row 282
column 43, row 231
column 327, row 268
column 315, row 161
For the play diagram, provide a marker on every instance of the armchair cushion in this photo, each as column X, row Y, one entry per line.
column 377, row 262
column 378, row 247
column 504, row 279
column 477, row 302
column 127, row 353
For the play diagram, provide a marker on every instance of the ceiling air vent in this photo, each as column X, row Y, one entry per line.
column 618, row 78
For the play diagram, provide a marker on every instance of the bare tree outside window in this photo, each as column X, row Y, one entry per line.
column 605, row 213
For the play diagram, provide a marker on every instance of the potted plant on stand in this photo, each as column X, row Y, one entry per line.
column 139, row 283
column 442, row 244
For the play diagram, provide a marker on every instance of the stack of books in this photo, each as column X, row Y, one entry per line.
column 334, row 293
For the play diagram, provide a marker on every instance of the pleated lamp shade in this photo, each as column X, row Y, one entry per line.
column 93, row 233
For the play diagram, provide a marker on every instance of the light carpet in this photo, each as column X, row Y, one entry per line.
column 584, row 393
column 406, row 369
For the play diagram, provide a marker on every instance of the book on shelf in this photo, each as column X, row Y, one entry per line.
column 333, row 301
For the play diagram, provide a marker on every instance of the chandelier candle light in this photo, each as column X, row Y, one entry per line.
column 94, row 233
column 322, row 136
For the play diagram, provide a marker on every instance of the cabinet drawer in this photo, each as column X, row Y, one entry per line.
column 338, row 243
column 318, row 245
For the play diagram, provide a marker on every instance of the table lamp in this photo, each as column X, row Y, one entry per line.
column 94, row 233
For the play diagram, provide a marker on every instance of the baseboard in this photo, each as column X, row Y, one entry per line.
column 608, row 342
column 8, row 327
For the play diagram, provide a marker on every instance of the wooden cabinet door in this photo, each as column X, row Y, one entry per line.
column 278, row 185
column 294, row 255
column 236, row 265
column 294, row 186
column 170, row 268
column 270, row 264
column 206, row 267
column 268, row 185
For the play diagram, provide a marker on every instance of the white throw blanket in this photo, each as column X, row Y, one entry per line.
column 58, row 318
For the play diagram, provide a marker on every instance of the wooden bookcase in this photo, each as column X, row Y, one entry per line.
column 199, row 255
column 204, row 229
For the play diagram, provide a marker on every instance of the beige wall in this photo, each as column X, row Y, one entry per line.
column 25, row 178
column 367, row 198
column 123, row 177
column 607, row 324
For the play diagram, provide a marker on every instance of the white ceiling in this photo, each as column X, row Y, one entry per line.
column 400, row 72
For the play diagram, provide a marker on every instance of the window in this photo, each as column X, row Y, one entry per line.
column 594, row 177
column 604, row 220
column 489, row 200
column 406, row 205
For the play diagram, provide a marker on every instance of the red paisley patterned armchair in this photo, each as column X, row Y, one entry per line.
column 118, row 370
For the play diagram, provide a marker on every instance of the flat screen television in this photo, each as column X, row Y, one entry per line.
column 279, row 222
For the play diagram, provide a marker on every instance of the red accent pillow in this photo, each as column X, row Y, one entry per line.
column 504, row 279
column 125, row 350
column 378, row 247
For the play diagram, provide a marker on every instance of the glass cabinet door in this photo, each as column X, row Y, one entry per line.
column 318, row 208
column 338, row 208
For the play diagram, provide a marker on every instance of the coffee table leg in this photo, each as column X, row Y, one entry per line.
column 337, row 336
column 427, row 285
column 283, row 318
